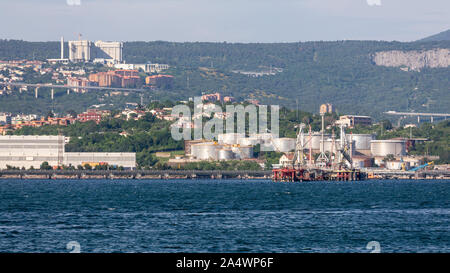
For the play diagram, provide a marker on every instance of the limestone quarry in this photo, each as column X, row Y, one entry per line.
column 413, row 60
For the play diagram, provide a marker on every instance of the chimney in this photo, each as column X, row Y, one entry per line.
column 62, row 47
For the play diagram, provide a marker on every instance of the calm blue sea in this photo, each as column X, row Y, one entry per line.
column 224, row 216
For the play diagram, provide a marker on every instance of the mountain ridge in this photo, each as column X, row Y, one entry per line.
column 441, row 36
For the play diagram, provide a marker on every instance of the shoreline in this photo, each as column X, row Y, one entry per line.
column 195, row 174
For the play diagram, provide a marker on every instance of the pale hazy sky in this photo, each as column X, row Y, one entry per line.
column 223, row 20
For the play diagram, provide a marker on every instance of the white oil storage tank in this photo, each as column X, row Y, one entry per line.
column 284, row 145
column 362, row 141
column 394, row 147
column 249, row 141
column 225, row 154
column 313, row 141
column 205, row 151
column 243, row 152
column 328, row 146
column 230, row 139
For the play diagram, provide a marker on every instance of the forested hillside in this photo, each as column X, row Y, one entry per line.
column 341, row 72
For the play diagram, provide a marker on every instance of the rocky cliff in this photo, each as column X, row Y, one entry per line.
column 413, row 60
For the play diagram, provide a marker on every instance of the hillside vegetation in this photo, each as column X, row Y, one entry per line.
column 305, row 74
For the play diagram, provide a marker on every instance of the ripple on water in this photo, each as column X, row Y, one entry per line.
column 223, row 216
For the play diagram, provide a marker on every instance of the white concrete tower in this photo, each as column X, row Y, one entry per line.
column 62, row 47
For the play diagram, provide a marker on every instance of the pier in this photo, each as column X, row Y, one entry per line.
column 216, row 174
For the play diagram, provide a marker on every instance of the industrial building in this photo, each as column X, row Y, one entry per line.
column 32, row 151
column 86, row 51
column 351, row 120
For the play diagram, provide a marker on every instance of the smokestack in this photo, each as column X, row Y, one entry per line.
column 62, row 47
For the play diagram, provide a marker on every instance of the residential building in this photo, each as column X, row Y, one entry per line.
column 93, row 114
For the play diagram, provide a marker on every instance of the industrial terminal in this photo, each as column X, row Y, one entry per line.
column 30, row 152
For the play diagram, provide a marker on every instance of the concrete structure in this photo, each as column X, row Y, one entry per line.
column 61, row 59
column 86, row 51
column 418, row 115
column 382, row 148
column 110, row 51
column 32, row 151
column 80, row 51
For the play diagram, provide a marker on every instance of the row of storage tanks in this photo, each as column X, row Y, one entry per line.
column 360, row 142
column 215, row 151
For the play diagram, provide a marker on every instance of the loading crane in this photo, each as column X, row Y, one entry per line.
column 422, row 166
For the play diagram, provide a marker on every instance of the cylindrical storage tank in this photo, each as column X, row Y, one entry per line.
column 284, row 145
column 249, row 141
column 386, row 147
column 328, row 145
column 205, row 151
column 225, row 154
column 263, row 137
column 231, row 138
column 362, row 141
column 313, row 141
column 243, row 152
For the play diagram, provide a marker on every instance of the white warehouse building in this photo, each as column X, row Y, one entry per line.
column 32, row 151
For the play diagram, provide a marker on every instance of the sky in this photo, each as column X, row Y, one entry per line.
column 223, row 20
